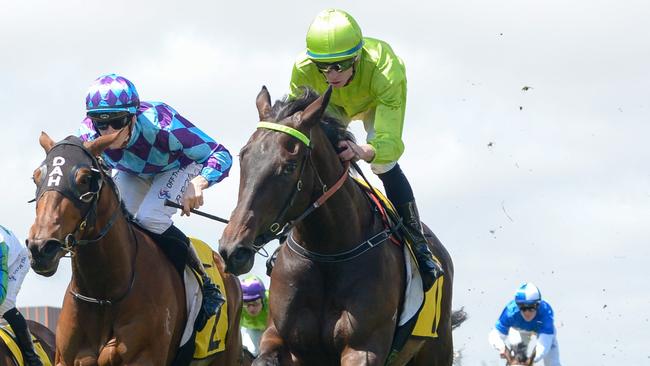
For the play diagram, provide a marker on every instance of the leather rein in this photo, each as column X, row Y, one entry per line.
column 91, row 198
column 277, row 230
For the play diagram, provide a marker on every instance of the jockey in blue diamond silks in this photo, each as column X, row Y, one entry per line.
column 158, row 155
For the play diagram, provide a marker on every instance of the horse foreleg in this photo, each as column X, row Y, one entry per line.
column 373, row 352
column 272, row 349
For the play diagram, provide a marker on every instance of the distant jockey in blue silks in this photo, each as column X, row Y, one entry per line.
column 524, row 316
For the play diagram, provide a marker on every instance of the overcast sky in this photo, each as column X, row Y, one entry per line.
column 549, row 185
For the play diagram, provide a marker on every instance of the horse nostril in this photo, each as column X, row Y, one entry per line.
column 239, row 261
column 241, row 255
column 50, row 247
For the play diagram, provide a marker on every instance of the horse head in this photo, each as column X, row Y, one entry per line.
column 274, row 185
column 68, row 185
column 517, row 355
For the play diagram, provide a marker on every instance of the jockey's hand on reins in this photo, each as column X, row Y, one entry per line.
column 347, row 152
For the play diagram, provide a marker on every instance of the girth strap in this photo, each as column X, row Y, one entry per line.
column 372, row 242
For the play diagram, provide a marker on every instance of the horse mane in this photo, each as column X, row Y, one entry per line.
column 334, row 129
column 520, row 351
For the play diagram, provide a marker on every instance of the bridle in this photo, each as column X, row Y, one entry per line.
column 274, row 232
column 68, row 189
column 280, row 226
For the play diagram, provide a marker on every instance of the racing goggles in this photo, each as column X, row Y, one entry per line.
column 525, row 308
column 338, row 66
column 116, row 120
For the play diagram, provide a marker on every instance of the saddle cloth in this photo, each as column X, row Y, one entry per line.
column 416, row 303
column 212, row 338
column 7, row 335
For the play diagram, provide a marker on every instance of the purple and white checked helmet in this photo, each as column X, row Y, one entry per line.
column 252, row 288
column 528, row 294
column 112, row 93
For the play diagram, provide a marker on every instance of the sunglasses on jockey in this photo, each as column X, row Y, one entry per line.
column 525, row 308
column 116, row 120
column 338, row 66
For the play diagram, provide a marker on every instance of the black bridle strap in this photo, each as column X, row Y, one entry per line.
column 71, row 241
column 324, row 197
column 103, row 302
column 319, row 202
column 372, row 242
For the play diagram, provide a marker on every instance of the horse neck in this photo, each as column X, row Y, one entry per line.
column 344, row 220
column 104, row 268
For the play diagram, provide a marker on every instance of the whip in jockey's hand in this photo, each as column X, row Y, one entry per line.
column 193, row 197
column 158, row 155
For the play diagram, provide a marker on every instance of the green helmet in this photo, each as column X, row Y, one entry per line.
column 333, row 36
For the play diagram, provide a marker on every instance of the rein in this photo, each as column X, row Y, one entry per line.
column 70, row 241
column 347, row 255
column 277, row 230
column 102, row 302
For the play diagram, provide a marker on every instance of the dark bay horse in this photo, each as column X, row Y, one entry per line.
column 337, row 288
column 43, row 335
column 125, row 303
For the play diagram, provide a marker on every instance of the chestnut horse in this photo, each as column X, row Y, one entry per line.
column 338, row 285
column 125, row 303
column 43, row 335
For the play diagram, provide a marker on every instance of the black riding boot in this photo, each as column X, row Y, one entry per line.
column 24, row 338
column 430, row 269
column 212, row 297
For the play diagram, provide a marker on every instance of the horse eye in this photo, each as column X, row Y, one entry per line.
column 289, row 168
column 84, row 177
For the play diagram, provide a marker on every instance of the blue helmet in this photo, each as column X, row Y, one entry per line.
column 112, row 93
column 528, row 294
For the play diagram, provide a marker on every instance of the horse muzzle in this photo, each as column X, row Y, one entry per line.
column 239, row 260
column 44, row 255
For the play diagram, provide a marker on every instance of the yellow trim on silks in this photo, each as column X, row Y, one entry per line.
column 7, row 335
column 429, row 317
column 212, row 338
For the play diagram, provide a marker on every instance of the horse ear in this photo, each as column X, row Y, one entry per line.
column 100, row 144
column 45, row 141
column 315, row 110
column 263, row 102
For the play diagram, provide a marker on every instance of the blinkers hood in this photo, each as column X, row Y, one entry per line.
column 59, row 170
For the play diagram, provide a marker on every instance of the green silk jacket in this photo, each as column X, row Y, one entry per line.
column 378, row 83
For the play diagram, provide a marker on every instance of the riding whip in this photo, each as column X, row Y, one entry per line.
column 200, row 213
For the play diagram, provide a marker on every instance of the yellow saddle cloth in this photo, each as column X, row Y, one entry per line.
column 8, row 337
column 212, row 338
column 429, row 314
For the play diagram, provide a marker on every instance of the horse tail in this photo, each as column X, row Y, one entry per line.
column 458, row 317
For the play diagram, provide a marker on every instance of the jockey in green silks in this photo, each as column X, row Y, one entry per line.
column 369, row 84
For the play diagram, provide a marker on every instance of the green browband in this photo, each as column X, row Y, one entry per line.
column 286, row 129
